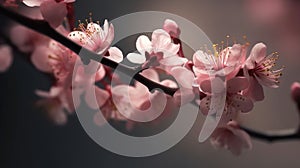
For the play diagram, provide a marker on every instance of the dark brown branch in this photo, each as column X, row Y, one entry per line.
column 273, row 136
column 44, row 28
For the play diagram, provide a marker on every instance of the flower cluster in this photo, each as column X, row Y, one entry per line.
column 211, row 73
column 223, row 70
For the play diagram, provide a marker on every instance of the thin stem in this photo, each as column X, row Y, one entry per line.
column 279, row 135
column 44, row 28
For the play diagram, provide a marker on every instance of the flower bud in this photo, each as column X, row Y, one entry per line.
column 172, row 28
column 295, row 92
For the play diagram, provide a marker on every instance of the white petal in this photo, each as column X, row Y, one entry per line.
column 143, row 44
column 136, row 58
column 115, row 54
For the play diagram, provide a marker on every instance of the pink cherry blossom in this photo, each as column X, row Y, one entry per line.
column 31, row 42
column 171, row 27
column 160, row 47
column 55, row 102
column 258, row 68
column 93, row 37
column 137, row 103
column 61, row 60
column 231, row 137
column 6, row 58
column 224, row 63
column 235, row 101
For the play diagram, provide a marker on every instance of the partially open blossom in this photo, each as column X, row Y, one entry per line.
column 258, row 68
column 235, row 101
column 160, row 47
column 172, row 28
column 231, row 137
column 6, row 57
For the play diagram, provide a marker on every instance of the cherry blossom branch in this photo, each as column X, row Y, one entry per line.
column 44, row 28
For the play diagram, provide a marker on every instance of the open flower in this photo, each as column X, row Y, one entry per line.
column 137, row 103
column 224, row 63
column 160, row 47
column 60, row 59
column 235, row 101
column 231, row 137
column 93, row 37
column 258, row 68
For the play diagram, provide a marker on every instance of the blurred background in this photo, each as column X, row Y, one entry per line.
column 29, row 139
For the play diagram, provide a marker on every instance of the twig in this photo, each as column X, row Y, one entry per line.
column 274, row 136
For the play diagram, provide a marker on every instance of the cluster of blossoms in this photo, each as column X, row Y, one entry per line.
column 209, row 73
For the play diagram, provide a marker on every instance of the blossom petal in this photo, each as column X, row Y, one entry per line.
column 214, row 85
column 257, row 54
column 183, row 76
column 40, row 58
column 169, row 83
column 115, row 54
column 203, row 60
column 53, row 12
column 173, row 61
column 78, row 37
column 100, row 74
column 6, row 57
column 32, row 3
column 237, row 84
column 242, row 103
column 23, row 38
column 255, row 90
column 151, row 74
column 143, row 44
column 160, row 38
column 136, row 58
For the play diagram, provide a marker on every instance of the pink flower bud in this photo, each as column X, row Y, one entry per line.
column 172, row 28
column 295, row 91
